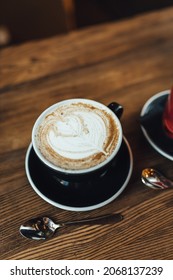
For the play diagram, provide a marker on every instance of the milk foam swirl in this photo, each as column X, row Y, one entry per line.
column 77, row 136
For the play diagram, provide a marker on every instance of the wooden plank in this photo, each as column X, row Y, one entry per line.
column 38, row 60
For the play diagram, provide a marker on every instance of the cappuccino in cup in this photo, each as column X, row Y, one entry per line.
column 77, row 135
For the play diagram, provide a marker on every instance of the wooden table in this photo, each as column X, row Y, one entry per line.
column 126, row 62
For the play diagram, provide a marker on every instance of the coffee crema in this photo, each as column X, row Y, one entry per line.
column 77, row 136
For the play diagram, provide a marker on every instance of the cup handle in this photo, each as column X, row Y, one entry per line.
column 116, row 108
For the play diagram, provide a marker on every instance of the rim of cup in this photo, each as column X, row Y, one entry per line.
column 73, row 171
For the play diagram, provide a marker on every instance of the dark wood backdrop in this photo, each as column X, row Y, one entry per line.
column 30, row 19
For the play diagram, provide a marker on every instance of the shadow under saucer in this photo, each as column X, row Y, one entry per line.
column 94, row 194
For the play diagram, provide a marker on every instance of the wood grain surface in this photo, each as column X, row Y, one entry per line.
column 127, row 62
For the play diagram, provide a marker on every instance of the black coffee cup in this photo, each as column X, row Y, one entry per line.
column 73, row 177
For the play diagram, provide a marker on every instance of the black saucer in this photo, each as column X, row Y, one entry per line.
column 97, row 194
column 151, row 124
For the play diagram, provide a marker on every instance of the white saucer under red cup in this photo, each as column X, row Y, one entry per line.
column 151, row 119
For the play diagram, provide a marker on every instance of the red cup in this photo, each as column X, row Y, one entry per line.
column 168, row 115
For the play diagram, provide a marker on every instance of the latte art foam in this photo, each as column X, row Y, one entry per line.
column 77, row 136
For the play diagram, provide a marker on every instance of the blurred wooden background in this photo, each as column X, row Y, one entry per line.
column 21, row 21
